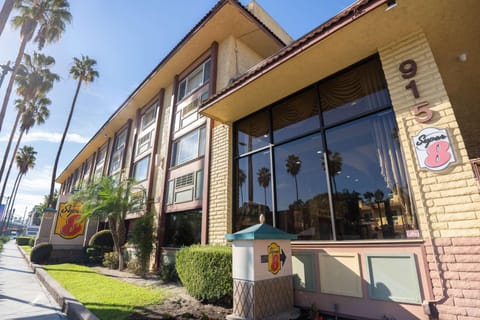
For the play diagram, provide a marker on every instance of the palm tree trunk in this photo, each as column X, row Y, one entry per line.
column 5, row 181
column 116, row 242
column 5, row 13
column 296, row 185
column 7, row 149
column 14, row 195
column 54, row 173
column 9, row 206
column 8, row 92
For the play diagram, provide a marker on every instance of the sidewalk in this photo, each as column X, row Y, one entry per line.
column 22, row 296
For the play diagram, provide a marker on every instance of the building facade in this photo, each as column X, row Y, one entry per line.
column 360, row 137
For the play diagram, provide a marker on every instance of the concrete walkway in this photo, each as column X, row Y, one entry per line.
column 22, row 296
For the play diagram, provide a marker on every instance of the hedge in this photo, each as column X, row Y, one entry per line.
column 41, row 253
column 99, row 244
column 206, row 272
column 23, row 241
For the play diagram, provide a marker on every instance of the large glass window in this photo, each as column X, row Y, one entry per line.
column 118, row 151
column 140, row 171
column 337, row 165
column 183, row 228
column 189, row 147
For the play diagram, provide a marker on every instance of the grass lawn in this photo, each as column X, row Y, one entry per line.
column 107, row 298
column 27, row 249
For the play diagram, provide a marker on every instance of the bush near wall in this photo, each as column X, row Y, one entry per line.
column 99, row 244
column 206, row 272
column 23, row 241
column 41, row 253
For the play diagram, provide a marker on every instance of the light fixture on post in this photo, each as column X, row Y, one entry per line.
column 391, row 4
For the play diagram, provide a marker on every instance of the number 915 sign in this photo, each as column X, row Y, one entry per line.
column 433, row 149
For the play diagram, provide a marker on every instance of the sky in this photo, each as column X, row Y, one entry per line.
column 128, row 39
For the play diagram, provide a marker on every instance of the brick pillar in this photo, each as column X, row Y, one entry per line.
column 447, row 202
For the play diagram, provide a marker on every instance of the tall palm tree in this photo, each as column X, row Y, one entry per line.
column 41, row 21
column 82, row 70
column 25, row 160
column 109, row 199
column 36, row 112
column 34, row 78
column 293, row 165
column 263, row 177
column 5, row 13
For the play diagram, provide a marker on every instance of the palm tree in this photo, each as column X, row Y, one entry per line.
column 44, row 22
column 293, row 165
column 33, row 79
column 83, row 71
column 263, row 176
column 241, row 180
column 109, row 199
column 35, row 113
column 5, row 13
column 25, row 160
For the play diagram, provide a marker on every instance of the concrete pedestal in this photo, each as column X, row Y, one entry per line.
column 262, row 274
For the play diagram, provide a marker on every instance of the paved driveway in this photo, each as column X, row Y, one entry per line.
column 22, row 296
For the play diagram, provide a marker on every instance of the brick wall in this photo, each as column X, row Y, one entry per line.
column 220, row 202
column 447, row 202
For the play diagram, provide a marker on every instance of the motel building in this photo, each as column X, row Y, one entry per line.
column 361, row 138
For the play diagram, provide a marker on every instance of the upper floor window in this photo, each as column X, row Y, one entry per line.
column 194, row 80
column 118, row 151
column 140, row 170
column 148, row 117
column 189, row 147
column 102, row 153
column 144, row 142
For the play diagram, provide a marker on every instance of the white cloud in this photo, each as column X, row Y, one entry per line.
column 53, row 137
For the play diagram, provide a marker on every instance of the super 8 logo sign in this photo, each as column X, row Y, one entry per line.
column 433, row 149
column 432, row 145
column 68, row 224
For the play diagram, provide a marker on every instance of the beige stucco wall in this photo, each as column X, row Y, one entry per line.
column 448, row 201
column 234, row 58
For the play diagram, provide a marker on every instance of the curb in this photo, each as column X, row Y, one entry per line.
column 70, row 306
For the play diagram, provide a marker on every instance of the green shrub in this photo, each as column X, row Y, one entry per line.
column 168, row 272
column 41, row 253
column 134, row 267
column 101, row 238
column 142, row 240
column 23, row 241
column 99, row 244
column 31, row 242
column 110, row 260
column 206, row 272
column 4, row 239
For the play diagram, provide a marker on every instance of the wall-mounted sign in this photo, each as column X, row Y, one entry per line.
column 68, row 225
column 433, row 149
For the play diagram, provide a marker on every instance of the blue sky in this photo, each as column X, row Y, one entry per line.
column 128, row 39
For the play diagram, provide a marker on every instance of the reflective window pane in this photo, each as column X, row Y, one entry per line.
column 352, row 93
column 253, row 132
column 183, row 228
column 301, row 189
column 295, row 116
column 254, row 194
column 369, row 184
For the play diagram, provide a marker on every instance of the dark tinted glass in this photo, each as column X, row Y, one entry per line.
column 301, row 189
column 183, row 228
column 369, row 186
column 254, row 185
column 295, row 116
column 253, row 132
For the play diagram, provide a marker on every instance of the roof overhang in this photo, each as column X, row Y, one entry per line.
column 352, row 35
column 227, row 18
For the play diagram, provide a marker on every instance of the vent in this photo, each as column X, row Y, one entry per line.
column 184, row 181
